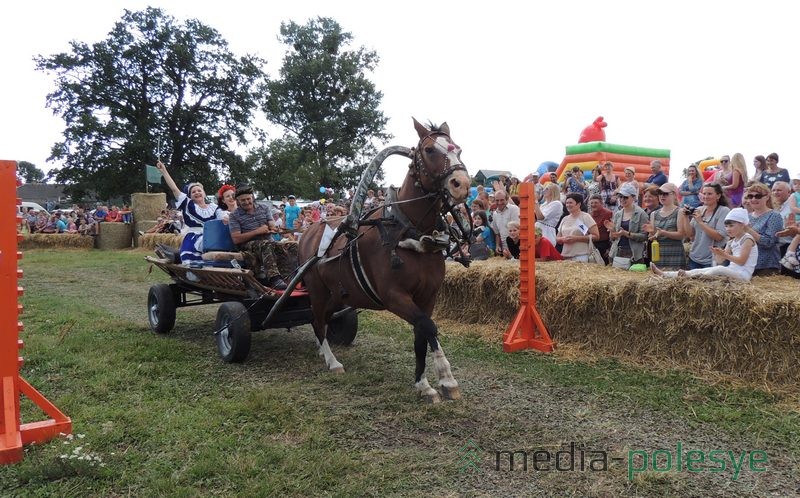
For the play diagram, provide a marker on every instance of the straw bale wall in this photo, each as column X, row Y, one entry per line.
column 56, row 241
column 750, row 330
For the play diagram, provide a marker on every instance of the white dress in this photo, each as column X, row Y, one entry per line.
column 552, row 215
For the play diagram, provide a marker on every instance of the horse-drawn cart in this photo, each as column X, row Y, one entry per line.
column 247, row 305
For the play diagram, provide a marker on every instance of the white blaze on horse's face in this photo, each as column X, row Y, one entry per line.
column 458, row 181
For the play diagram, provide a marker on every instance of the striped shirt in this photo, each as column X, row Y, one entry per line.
column 241, row 221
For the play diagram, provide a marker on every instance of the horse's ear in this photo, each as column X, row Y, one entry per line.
column 421, row 130
column 444, row 128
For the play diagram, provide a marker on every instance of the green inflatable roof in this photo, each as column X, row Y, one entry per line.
column 616, row 149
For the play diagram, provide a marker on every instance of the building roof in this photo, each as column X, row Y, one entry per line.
column 42, row 192
column 483, row 174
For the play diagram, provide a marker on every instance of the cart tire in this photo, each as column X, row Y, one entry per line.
column 161, row 308
column 343, row 330
column 233, row 332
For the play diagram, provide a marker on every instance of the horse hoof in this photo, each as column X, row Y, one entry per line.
column 337, row 370
column 432, row 398
column 451, row 393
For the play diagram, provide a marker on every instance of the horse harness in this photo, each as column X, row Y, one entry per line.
column 397, row 230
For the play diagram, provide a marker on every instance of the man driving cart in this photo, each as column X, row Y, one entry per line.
column 251, row 226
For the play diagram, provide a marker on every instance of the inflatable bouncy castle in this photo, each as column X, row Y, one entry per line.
column 588, row 155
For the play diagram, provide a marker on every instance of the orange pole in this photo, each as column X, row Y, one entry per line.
column 527, row 330
column 13, row 433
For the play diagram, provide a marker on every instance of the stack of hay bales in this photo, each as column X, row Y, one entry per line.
column 146, row 210
column 114, row 235
column 744, row 329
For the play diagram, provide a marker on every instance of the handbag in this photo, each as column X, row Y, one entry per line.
column 594, row 254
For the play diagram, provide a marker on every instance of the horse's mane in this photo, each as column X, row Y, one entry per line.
column 433, row 126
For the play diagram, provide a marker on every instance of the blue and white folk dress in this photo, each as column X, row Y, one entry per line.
column 193, row 219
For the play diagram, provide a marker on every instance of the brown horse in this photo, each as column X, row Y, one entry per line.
column 395, row 262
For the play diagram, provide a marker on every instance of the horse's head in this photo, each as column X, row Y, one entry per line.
column 437, row 163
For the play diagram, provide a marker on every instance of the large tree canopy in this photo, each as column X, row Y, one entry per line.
column 30, row 172
column 153, row 81
column 326, row 104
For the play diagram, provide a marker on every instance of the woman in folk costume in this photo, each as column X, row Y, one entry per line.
column 191, row 202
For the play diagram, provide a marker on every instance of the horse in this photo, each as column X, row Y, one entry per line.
column 394, row 259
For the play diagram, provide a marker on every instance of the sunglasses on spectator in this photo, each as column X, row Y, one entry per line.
column 624, row 196
column 724, row 161
column 755, row 196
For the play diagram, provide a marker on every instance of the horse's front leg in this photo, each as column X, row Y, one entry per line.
column 320, row 326
column 425, row 334
column 447, row 383
column 421, row 385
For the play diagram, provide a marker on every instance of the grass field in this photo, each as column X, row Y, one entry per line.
column 162, row 415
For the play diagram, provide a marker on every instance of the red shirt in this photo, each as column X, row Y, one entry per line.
column 546, row 251
column 600, row 218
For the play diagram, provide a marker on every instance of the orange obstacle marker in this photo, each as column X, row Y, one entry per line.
column 527, row 330
column 13, row 433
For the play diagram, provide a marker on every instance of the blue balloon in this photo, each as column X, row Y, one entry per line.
column 546, row 167
column 322, row 190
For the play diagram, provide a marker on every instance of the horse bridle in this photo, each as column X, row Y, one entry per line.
column 419, row 171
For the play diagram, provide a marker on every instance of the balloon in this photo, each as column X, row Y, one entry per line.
column 322, row 190
column 546, row 167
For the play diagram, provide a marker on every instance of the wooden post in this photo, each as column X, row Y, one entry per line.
column 527, row 330
column 13, row 433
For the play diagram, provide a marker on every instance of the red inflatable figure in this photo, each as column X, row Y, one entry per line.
column 594, row 132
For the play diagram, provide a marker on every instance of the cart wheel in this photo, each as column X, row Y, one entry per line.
column 233, row 332
column 342, row 331
column 161, row 308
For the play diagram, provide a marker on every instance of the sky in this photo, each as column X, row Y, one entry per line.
column 516, row 81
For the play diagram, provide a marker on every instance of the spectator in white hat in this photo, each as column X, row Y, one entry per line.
column 741, row 250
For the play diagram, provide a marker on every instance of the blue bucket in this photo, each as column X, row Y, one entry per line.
column 217, row 237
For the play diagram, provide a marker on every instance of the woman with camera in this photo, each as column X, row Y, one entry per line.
column 690, row 188
column 705, row 224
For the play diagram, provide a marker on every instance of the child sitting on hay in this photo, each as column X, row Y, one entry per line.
column 741, row 250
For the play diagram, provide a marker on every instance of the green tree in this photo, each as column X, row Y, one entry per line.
column 30, row 172
column 153, row 85
column 324, row 101
column 280, row 168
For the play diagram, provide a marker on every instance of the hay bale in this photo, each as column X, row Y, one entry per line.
column 149, row 240
column 147, row 206
column 114, row 236
column 141, row 226
column 56, row 241
column 745, row 329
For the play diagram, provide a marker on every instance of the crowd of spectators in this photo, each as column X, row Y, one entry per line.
column 74, row 220
column 690, row 223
